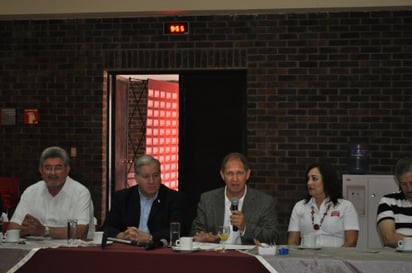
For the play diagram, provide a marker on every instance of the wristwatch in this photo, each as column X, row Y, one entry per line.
column 46, row 231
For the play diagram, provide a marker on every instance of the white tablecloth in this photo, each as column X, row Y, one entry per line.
column 339, row 260
column 326, row 260
column 14, row 255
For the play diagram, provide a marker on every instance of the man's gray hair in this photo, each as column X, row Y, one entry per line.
column 403, row 166
column 145, row 160
column 53, row 152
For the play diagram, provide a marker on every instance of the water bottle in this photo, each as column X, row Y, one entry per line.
column 359, row 159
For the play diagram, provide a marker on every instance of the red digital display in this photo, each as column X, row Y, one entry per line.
column 176, row 28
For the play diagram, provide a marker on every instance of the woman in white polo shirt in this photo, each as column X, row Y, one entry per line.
column 323, row 212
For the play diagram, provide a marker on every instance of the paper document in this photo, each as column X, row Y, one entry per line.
column 212, row 246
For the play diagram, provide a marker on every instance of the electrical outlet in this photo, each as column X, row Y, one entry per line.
column 73, row 151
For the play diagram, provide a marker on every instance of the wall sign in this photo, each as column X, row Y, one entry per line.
column 8, row 116
column 31, row 116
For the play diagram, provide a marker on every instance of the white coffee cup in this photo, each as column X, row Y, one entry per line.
column 12, row 235
column 185, row 243
column 309, row 240
column 97, row 237
column 405, row 244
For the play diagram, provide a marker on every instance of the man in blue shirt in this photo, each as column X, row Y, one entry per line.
column 143, row 213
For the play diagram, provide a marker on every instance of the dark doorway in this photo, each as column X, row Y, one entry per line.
column 212, row 124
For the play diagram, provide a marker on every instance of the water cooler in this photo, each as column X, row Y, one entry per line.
column 365, row 192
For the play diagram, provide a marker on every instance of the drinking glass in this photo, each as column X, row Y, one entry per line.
column 174, row 233
column 71, row 231
column 223, row 233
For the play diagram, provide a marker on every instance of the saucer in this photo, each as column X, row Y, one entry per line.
column 21, row 240
column 34, row 238
column 306, row 247
column 99, row 244
column 403, row 250
column 178, row 249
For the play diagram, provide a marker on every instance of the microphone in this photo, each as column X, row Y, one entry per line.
column 104, row 239
column 128, row 242
column 234, row 206
column 162, row 243
column 156, row 244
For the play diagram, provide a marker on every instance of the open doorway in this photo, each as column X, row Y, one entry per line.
column 212, row 123
column 146, row 122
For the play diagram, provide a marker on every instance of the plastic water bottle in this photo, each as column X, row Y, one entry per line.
column 359, row 159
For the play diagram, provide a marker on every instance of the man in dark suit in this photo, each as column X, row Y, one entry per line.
column 255, row 215
column 143, row 212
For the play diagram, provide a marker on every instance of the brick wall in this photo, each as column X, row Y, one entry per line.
column 316, row 83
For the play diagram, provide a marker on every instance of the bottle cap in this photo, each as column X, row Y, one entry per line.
column 283, row 251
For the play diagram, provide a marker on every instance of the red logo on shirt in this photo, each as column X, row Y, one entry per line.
column 335, row 213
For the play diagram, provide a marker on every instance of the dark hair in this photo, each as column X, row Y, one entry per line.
column 237, row 156
column 403, row 166
column 330, row 181
column 53, row 152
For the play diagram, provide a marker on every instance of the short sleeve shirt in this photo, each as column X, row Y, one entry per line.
column 73, row 201
column 339, row 218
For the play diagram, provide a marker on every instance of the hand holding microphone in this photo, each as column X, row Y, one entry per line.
column 234, row 206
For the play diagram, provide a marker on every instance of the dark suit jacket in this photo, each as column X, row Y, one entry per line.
column 258, row 207
column 169, row 206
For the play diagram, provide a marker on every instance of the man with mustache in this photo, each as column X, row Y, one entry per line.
column 45, row 206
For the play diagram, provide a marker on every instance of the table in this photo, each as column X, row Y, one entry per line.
column 341, row 260
column 51, row 256
column 125, row 258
